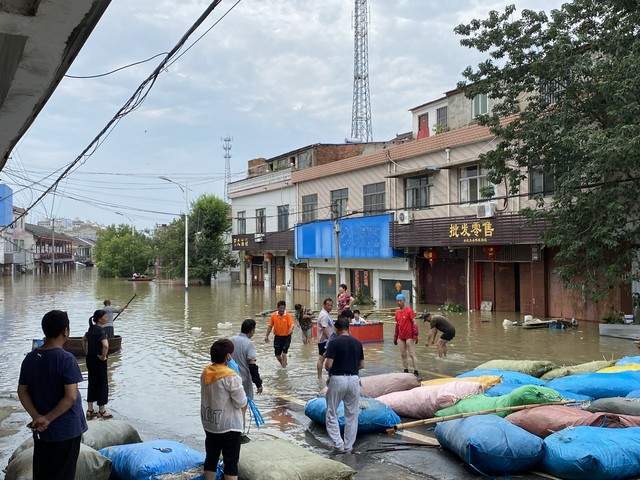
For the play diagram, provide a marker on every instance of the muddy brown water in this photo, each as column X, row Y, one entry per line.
column 154, row 381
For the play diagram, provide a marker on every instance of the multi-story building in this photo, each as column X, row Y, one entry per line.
column 264, row 213
column 51, row 250
column 454, row 237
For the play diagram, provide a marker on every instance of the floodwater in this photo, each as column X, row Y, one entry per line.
column 154, row 381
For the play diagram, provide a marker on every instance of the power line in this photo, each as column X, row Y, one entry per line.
column 130, row 105
column 118, row 69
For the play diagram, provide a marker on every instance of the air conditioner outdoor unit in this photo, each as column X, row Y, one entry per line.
column 259, row 238
column 486, row 210
column 404, row 217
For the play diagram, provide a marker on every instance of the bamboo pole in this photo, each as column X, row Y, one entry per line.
column 432, row 421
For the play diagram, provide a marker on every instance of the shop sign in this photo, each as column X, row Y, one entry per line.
column 240, row 242
column 475, row 232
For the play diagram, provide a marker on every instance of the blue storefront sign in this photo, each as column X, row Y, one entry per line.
column 6, row 205
column 360, row 237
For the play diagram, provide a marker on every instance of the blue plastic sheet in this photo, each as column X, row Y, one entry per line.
column 629, row 360
column 374, row 416
column 593, row 453
column 505, row 388
column 490, row 444
column 144, row 461
column 599, row 385
column 634, row 394
column 508, row 377
column 253, row 408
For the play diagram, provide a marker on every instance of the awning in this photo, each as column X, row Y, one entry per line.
column 426, row 170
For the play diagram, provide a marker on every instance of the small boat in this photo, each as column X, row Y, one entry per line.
column 75, row 345
column 537, row 323
column 140, row 279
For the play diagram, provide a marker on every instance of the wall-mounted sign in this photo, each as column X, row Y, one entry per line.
column 474, row 232
column 240, row 242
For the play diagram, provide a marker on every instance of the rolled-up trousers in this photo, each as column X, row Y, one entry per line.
column 344, row 389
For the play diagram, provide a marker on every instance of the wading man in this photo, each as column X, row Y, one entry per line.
column 406, row 334
column 438, row 323
column 48, row 391
column 325, row 330
column 344, row 359
column 281, row 323
column 244, row 353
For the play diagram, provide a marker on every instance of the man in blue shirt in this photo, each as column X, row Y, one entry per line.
column 48, row 390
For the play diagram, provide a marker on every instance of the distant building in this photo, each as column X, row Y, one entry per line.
column 51, row 250
column 83, row 250
column 75, row 228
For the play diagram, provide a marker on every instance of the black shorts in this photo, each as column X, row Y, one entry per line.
column 281, row 344
column 322, row 347
column 55, row 460
column 229, row 444
column 448, row 336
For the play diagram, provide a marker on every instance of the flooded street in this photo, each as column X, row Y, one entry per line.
column 154, row 381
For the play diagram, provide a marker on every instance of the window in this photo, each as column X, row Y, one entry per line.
column 261, row 221
column 442, row 120
column 480, row 105
column 423, row 125
column 339, row 199
column 550, row 92
column 540, row 182
column 416, row 192
column 373, row 196
column 283, row 218
column 309, row 207
column 473, row 182
column 242, row 223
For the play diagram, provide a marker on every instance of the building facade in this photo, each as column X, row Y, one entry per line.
column 52, row 251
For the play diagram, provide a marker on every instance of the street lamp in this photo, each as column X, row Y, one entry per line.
column 185, row 191
column 133, row 228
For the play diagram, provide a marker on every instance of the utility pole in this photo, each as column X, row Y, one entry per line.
column 226, row 146
column 53, row 246
column 336, row 230
column 185, row 190
column 361, row 110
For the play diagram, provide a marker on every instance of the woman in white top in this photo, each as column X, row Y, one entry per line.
column 222, row 406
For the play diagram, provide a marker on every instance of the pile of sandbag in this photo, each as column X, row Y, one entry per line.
column 535, row 368
column 281, row 460
column 629, row 360
column 423, row 402
column 373, row 416
column 375, row 386
column 548, row 419
column 598, row 385
column 506, row 388
column 91, row 464
column 589, row 367
column 593, row 453
column 525, row 395
column 491, row 445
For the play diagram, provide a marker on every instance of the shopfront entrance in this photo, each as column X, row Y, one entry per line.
column 361, row 283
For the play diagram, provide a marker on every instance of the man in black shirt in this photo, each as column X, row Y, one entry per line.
column 439, row 323
column 344, row 358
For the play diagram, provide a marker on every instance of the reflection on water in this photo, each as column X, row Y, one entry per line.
column 155, row 379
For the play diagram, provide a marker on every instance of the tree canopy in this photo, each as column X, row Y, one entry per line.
column 569, row 84
column 121, row 252
column 209, row 223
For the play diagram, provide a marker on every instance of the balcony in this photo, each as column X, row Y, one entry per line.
column 260, row 181
column 47, row 257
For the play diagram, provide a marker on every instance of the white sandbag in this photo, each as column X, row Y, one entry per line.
column 424, row 402
column 377, row 385
column 108, row 433
column 91, row 465
column 26, row 445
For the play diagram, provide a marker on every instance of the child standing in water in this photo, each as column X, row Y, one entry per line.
column 97, row 346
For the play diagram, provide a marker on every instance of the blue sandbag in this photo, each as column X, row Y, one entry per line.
column 634, row 394
column 508, row 377
column 504, row 389
column 628, row 360
column 490, row 444
column 594, row 453
column 598, row 385
column 145, row 461
column 374, row 416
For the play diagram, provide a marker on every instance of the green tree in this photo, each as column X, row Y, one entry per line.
column 209, row 254
column 572, row 79
column 120, row 252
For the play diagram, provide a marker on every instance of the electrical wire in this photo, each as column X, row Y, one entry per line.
column 118, row 69
column 130, row 105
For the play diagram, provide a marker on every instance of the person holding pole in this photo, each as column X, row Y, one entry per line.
column 406, row 334
column 344, row 360
column 109, row 310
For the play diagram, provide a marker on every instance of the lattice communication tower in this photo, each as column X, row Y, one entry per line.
column 361, row 110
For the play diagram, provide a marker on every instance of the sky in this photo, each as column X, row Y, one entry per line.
column 275, row 75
